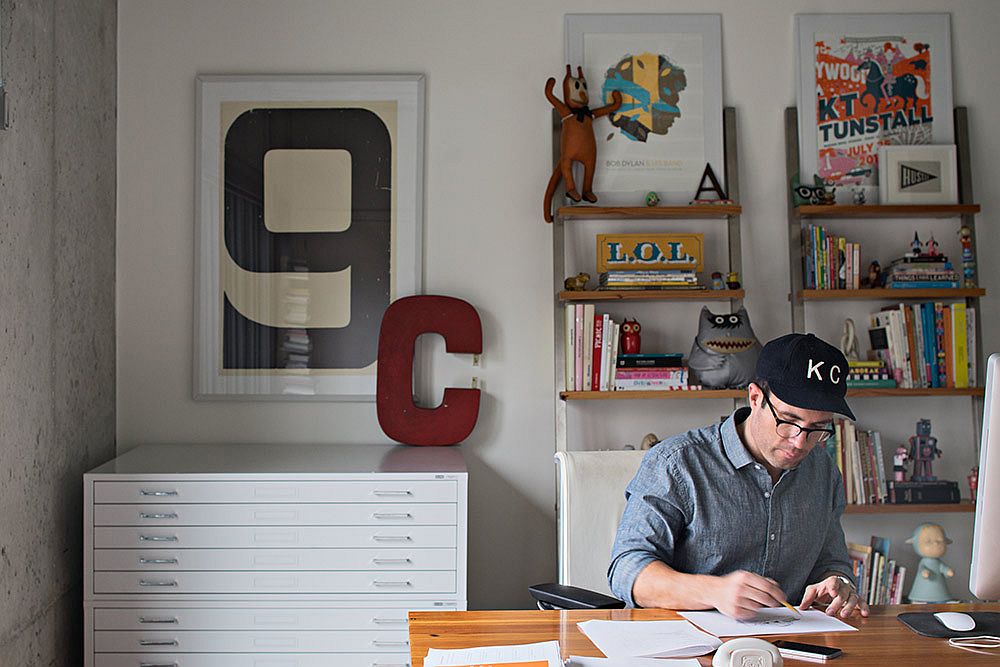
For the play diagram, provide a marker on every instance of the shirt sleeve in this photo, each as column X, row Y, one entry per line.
column 651, row 524
column 834, row 557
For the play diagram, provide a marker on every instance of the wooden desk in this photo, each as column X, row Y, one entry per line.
column 882, row 637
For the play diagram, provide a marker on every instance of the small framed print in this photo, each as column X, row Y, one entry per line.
column 917, row 175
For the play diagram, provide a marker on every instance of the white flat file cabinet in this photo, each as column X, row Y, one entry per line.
column 270, row 555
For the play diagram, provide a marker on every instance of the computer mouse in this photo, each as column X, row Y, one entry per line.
column 957, row 621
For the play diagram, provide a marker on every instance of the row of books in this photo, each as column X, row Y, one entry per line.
column 858, row 455
column 648, row 279
column 829, row 261
column 926, row 344
column 869, row 374
column 591, row 347
column 879, row 579
column 921, row 272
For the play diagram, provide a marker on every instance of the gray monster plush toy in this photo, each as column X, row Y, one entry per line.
column 724, row 354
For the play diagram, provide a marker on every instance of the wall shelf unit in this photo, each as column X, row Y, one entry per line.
column 653, row 295
column 964, row 507
column 882, row 293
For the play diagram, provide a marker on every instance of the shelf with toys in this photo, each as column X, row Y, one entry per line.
column 924, row 336
column 574, row 230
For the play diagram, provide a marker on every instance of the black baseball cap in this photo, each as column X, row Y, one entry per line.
column 807, row 372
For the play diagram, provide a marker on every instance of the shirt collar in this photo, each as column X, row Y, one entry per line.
column 736, row 451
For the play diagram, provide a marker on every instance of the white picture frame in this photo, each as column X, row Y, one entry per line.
column 672, row 158
column 840, row 55
column 918, row 175
column 308, row 223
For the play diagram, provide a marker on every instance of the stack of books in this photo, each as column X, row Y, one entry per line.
column 591, row 347
column 926, row 344
column 879, row 579
column 869, row 374
column 922, row 271
column 858, row 455
column 829, row 261
column 650, row 372
column 639, row 280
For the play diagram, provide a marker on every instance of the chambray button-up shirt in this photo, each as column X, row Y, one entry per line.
column 702, row 505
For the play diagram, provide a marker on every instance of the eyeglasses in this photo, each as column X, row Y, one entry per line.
column 789, row 430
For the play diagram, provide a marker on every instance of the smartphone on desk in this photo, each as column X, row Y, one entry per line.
column 800, row 651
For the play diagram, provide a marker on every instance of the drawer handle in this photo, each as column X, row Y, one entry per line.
column 392, row 515
column 158, row 561
column 158, row 619
column 382, row 643
column 154, row 584
column 391, row 584
column 163, row 664
column 158, row 642
column 163, row 515
column 158, row 494
column 392, row 561
column 391, row 494
column 389, row 621
column 157, row 538
column 392, row 538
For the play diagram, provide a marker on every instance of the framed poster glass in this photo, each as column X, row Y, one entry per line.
column 668, row 69
column 308, row 224
column 865, row 81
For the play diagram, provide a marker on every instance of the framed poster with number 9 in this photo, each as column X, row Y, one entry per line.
column 308, row 224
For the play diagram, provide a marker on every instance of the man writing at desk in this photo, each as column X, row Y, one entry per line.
column 746, row 514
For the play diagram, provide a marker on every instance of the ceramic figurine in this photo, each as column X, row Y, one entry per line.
column 874, row 275
column 648, row 441
column 724, row 353
column 968, row 263
column 899, row 460
column 652, row 199
column 631, row 341
column 576, row 283
column 859, row 196
column 816, row 194
column 973, row 478
column 717, row 281
column 849, row 341
column 923, row 451
column 932, row 247
column 915, row 245
column 929, row 585
column 733, row 280
column 576, row 138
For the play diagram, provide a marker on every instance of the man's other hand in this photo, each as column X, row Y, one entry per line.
column 841, row 598
column 740, row 594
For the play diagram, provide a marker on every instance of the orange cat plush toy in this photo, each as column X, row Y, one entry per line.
column 576, row 141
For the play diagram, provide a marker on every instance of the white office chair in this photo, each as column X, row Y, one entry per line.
column 591, row 502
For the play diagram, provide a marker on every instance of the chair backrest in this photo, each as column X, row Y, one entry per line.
column 591, row 502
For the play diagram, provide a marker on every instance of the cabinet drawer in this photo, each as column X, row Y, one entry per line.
column 431, row 491
column 252, row 660
column 201, row 618
column 262, row 641
column 273, row 559
column 174, row 583
column 287, row 514
column 293, row 536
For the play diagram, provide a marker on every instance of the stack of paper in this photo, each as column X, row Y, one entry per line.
column 542, row 654
column 648, row 639
column 776, row 621
column 578, row 661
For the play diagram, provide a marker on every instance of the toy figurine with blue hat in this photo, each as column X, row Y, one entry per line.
column 929, row 585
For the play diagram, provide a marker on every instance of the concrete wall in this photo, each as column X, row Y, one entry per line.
column 487, row 161
column 57, row 297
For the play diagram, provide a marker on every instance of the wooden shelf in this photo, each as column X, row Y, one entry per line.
column 700, row 211
column 888, row 211
column 628, row 395
column 922, row 391
column 889, row 293
column 653, row 295
column 966, row 506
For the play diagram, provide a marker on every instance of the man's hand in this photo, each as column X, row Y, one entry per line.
column 839, row 596
column 740, row 594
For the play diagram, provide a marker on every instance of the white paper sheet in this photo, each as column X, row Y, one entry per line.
column 777, row 621
column 648, row 639
column 579, row 661
column 488, row 655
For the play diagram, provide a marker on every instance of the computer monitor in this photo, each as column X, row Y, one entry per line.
column 984, row 578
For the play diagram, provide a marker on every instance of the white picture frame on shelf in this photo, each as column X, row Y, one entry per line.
column 848, row 107
column 663, row 136
column 309, row 194
column 918, row 175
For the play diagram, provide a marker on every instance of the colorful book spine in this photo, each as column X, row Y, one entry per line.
column 569, row 359
column 960, row 359
column 597, row 348
column 972, row 346
column 588, row 345
column 650, row 374
column 939, row 351
column 578, row 348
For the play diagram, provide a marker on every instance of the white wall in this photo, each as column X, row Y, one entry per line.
column 487, row 161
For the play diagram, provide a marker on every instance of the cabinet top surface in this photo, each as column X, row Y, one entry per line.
column 284, row 459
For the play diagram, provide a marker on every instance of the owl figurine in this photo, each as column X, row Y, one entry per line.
column 725, row 351
column 630, row 338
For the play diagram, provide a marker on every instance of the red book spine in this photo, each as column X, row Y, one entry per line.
column 595, row 374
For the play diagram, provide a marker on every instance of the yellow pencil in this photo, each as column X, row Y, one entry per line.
column 792, row 609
